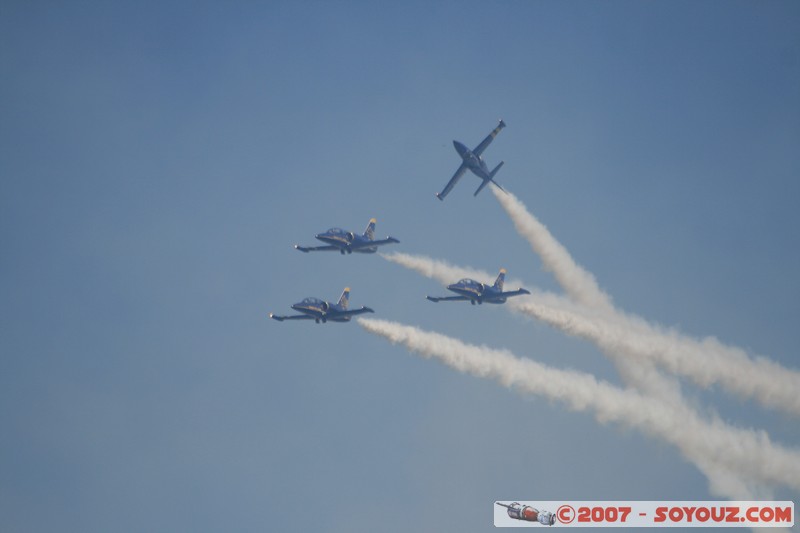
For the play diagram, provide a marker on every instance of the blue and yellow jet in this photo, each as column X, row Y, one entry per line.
column 347, row 241
column 322, row 311
column 472, row 160
column 476, row 292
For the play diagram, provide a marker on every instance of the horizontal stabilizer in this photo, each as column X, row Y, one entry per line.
column 517, row 292
column 353, row 312
column 482, row 185
column 491, row 178
column 387, row 240
column 496, row 169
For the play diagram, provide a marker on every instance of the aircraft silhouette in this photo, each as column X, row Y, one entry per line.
column 347, row 241
column 322, row 311
column 472, row 160
column 474, row 291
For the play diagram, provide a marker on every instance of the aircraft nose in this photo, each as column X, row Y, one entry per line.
column 460, row 148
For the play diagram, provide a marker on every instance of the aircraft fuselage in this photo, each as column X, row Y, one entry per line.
column 477, row 292
column 347, row 242
column 474, row 163
column 320, row 310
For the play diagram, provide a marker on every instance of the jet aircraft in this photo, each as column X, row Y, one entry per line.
column 529, row 514
column 469, row 289
column 322, row 311
column 472, row 160
column 347, row 241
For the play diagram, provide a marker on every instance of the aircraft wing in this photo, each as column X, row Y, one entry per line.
column 306, row 249
column 452, row 182
column 488, row 140
column 350, row 312
column 387, row 240
column 518, row 292
column 447, row 298
column 293, row 317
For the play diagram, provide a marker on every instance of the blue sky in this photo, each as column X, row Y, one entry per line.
column 158, row 161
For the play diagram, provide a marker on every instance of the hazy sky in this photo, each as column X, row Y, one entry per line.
column 159, row 160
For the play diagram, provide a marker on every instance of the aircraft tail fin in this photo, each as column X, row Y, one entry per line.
column 491, row 178
column 370, row 231
column 344, row 299
column 501, row 278
column 500, row 164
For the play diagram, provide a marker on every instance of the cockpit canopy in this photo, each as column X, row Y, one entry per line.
column 312, row 301
column 336, row 231
column 467, row 281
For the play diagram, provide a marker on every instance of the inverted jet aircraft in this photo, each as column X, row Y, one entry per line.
column 347, row 241
column 322, row 311
column 469, row 289
column 472, row 160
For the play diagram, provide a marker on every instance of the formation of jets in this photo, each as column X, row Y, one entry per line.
column 347, row 242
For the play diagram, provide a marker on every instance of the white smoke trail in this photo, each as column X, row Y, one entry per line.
column 442, row 271
column 705, row 362
column 582, row 287
column 579, row 284
column 644, row 376
column 749, row 453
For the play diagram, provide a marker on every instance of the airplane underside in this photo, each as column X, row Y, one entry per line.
column 357, row 250
column 479, row 302
column 325, row 319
